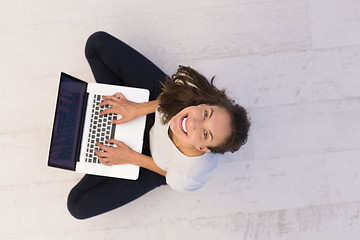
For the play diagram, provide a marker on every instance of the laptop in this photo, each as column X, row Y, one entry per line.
column 78, row 126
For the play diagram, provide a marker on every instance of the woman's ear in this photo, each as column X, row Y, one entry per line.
column 203, row 149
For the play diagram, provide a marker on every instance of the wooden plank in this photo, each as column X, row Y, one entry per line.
column 287, row 78
column 263, row 30
column 334, row 23
column 303, row 129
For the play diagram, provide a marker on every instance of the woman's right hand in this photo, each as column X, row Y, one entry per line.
column 120, row 105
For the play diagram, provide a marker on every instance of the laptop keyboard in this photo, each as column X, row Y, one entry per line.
column 101, row 129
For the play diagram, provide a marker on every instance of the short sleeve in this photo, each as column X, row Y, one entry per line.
column 184, row 184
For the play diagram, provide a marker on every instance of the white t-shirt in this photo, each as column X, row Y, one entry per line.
column 184, row 174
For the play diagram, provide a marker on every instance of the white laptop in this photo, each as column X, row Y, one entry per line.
column 77, row 127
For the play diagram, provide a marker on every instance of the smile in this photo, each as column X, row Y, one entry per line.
column 183, row 124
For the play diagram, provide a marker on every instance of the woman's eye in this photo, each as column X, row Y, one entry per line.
column 205, row 134
column 205, row 115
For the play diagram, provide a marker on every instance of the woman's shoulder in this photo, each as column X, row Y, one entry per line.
column 194, row 173
column 206, row 162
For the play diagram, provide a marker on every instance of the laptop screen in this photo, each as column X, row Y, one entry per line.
column 67, row 123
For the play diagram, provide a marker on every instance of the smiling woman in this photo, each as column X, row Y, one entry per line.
column 190, row 123
column 187, row 89
column 199, row 128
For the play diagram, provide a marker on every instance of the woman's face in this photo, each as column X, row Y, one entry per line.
column 201, row 126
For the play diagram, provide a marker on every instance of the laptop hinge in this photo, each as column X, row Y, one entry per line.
column 82, row 122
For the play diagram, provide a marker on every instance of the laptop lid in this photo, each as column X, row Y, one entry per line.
column 68, row 122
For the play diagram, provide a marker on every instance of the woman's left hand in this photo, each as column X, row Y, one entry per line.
column 122, row 154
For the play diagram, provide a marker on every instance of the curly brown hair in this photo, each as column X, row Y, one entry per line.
column 187, row 88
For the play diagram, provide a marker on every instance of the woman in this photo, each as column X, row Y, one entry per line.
column 194, row 124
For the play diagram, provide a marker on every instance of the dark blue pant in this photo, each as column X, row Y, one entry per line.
column 114, row 62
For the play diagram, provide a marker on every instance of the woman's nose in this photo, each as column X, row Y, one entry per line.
column 196, row 123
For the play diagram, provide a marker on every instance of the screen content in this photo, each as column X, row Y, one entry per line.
column 66, row 129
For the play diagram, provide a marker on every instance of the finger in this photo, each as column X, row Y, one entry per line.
column 116, row 142
column 116, row 98
column 107, row 111
column 119, row 95
column 107, row 102
column 105, row 161
column 113, row 98
column 101, row 154
column 103, row 147
column 118, row 121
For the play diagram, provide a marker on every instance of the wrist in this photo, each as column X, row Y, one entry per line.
column 134, row 158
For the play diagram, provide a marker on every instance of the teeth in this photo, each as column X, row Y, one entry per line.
column 184, row 124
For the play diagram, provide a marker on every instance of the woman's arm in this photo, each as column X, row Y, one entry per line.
column 147, row 107
column 123, row 154
column 127, row 109
column 146, row 162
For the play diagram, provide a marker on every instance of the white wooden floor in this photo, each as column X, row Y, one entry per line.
column 295, row 64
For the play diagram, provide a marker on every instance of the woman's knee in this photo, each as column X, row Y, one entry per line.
column 75, row 207
column 94, row 42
